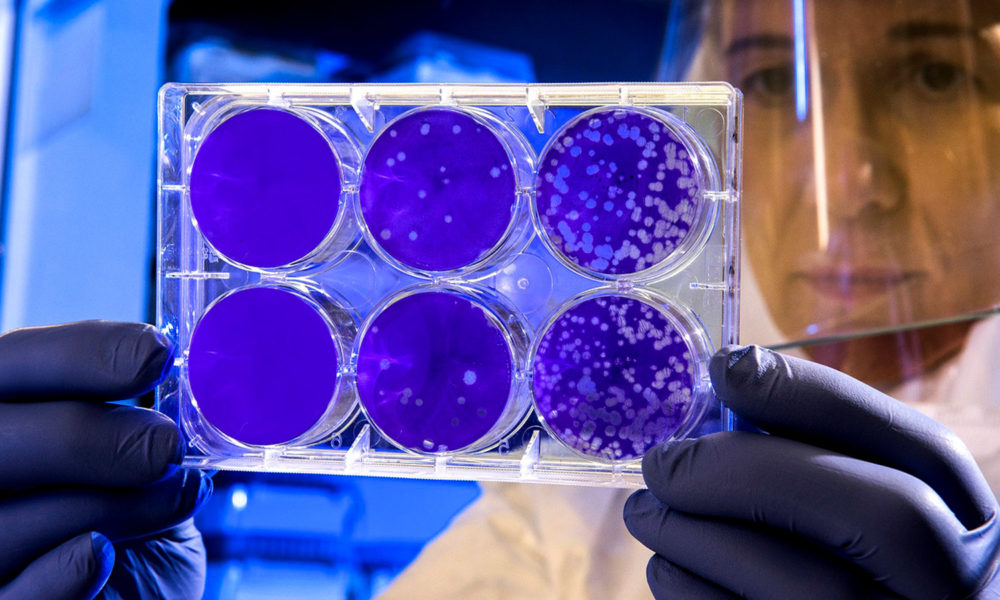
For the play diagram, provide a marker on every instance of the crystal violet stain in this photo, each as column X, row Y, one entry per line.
column 617, row 191
column 612, row 377
column 265, row 188
column 437, row 189
column 434, row 372
column 263, row 366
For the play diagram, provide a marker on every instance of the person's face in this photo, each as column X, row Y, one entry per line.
column 871, row 167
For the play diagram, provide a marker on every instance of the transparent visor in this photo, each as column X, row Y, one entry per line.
column 871, row 181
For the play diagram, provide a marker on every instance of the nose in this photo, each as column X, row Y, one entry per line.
column 860, row 175
column 863, row 180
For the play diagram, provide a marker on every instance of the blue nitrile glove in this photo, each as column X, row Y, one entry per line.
column 76, row 473
column 852, row 495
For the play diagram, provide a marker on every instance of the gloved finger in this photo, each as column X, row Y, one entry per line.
column 887, row 522
column 667, row 581
column 75, row 442
column 801, row 400
column 33, row 522
column 73, row 570
column 98, row 360
column 772, row 564
column 170, row 564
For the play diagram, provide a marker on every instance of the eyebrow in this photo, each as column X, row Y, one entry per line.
column 912, row 30
column 907, row 31
column 764, row 41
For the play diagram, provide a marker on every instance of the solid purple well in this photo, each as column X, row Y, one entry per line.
column 612, row 377
column 617, row 191
column 263, row 366
column 437, row 190
column 265, row 188
column 434, row 372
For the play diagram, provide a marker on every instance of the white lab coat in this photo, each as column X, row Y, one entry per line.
column 964, row 395
column 531, row 541
column 553, row 542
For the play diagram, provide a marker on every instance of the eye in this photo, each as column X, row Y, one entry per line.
column 933, row 79
column 773, row 85
column 939, row 77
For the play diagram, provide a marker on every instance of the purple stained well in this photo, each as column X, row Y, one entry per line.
column 265, row 188
column 263, row 366
column 434, row 372
column 437, row 190
column 617, row 191
column 612, row 377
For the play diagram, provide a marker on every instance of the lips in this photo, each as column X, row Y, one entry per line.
column 855, row 282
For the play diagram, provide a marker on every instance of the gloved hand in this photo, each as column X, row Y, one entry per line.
column 852, row 495
column 76, row 473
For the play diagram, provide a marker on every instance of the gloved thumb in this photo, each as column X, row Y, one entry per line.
column 75, row 569
column 814, row 404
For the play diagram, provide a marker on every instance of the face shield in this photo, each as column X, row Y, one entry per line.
column 871, row 186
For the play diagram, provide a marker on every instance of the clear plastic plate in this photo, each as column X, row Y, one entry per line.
column 491, row 282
